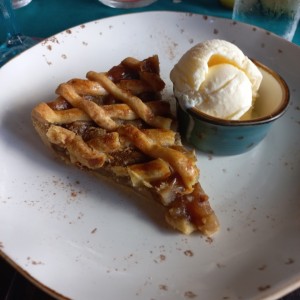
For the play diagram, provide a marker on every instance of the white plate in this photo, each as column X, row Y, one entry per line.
column 79, row 237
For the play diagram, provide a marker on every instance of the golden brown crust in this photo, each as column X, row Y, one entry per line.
column 182, row 164
column 78, row 150
column 117, row 125
column 136, row 104
column 94, row 111
column 43, row 112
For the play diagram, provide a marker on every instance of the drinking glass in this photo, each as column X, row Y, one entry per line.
column 278, row 16
column 20, row 3
column 15, row 42
column 127, row 3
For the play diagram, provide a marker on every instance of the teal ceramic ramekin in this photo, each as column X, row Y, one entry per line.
column 227, row 137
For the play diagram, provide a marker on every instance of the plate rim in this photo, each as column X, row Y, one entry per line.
column 289, row 287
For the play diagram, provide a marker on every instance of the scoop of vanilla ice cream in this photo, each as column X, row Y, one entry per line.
column 217, row 78
column 226, row 92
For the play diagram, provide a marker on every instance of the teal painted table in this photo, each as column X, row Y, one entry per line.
column 43, row 18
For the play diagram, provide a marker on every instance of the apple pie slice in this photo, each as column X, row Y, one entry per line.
column 117, row 125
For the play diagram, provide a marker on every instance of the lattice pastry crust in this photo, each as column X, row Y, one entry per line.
column 116, row 124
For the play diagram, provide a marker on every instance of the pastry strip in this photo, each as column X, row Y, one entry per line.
column 46, row 113
column 87, row 87
column 184, row 166
column 136, row 104
column 115, row 111
column 78, row 150
column 96, row 112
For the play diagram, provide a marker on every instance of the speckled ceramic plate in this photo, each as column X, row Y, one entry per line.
column 82, row 238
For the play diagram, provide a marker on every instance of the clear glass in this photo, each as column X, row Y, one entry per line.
column 20, row 3
column 15, row 41
column 127, row 3
column 278, row 16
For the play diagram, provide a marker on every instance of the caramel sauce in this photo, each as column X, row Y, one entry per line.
column 121, row 72
column 60, row 104
column 193, row 206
